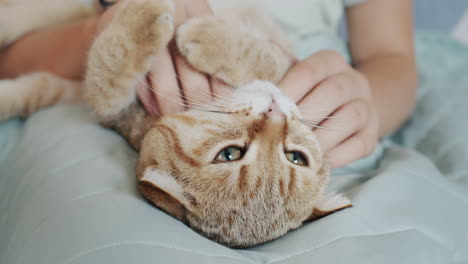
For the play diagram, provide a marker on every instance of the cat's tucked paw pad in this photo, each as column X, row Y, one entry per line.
column 164, row 28
column 144, row 26
column 147, row 20
column 190, row 48
column 187, row 47
column 202, row 41
column 166, row 19
column 191, row 33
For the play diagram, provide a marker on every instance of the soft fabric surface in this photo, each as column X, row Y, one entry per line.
column 438, row 15
column 67, row 191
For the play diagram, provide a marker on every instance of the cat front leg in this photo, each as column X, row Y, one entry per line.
column 120, row 57
column 26, row 94
column 122, row 54
column 220, row 48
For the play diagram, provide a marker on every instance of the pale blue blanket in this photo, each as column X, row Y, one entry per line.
column 67, row 191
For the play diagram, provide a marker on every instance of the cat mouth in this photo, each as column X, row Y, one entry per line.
column 266, row 98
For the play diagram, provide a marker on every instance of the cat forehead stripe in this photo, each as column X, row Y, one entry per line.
column 177, row 146
column 243, row 179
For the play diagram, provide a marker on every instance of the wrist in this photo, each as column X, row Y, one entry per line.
column 88, row 33
column 388, row 91
column 60, row 50
column 89, row 30
column 73, row 42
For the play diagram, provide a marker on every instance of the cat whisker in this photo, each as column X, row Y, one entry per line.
column 178, row 101
column 318, row 117
column 315, row 110
column 223, row 83
column 183, row 103
column 314, row 105
column 215, row 96
column 200, row 96
column 210, row 111
column 194, row 101
column 155, row 110
column 315, row 125
column 217, row 103
column 202, row 100
column 186, row 102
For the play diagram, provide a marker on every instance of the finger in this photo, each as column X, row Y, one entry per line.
column 345, row 122
column 147, row 97
column 186, row 9
column 195, row 85
column 331, row 94
column 220, row 89
column 106, row 16
column 361, row 145
column 308, row 73
column 165, row 85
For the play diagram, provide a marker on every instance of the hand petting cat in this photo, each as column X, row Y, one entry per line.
column 338, row 98
column 176, row 84
column 326, row 88
column 329, row 92
column 356, row 106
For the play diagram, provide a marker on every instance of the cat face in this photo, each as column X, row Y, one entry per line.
column 242, row 172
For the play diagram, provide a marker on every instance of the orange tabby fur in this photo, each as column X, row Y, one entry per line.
column 240, row 203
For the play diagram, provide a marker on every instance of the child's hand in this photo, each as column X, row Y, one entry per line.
column 173, row 85
column 325, row 85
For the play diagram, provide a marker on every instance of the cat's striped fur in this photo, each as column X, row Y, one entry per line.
column 243, row 202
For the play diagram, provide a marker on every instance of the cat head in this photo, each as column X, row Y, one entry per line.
column 243, row 171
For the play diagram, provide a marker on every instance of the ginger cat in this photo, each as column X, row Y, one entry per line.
column 241, row 171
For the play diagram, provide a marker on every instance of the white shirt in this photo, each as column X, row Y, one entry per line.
column 311, row 25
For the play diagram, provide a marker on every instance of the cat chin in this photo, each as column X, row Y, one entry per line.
column 260, row 94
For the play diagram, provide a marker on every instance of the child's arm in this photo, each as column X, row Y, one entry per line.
column 381, row 45
column 61, row 50
column 370, row 100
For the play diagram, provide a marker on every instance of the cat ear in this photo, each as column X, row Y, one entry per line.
column 329, row 204
column 162, row 190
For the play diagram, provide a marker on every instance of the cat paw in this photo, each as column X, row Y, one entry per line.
column 123, row 53
column 148, row 24
column 206, row 43
column 229, row 52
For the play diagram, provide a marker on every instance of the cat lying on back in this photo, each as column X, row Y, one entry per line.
column 242, row 170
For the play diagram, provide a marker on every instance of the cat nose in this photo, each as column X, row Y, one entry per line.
column 274, row 110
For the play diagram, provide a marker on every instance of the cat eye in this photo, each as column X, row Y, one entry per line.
column 297, row 158
column 231, row 153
